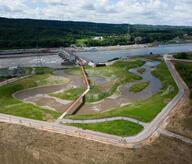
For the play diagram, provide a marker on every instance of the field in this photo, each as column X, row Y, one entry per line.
column 118, row 127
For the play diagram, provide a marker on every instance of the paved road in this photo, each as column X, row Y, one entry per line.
column 106, row 138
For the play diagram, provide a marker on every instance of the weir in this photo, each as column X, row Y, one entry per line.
column 68, row 55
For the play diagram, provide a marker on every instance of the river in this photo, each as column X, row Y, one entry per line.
column 95, row 56
column 103, row 56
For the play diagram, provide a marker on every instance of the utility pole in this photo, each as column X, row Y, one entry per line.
column 39, row 63
column 128, row 33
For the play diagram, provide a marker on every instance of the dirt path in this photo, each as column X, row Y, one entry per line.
column 174, row 135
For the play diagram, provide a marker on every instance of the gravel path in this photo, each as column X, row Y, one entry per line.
column 92, row 121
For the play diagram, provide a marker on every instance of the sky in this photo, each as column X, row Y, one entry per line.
column 156, row 12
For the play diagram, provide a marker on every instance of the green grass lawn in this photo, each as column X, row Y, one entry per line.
column 119, row 127
column 141, row 70
column 69, row 94
column 118, row 72
column 9, row 105
column 81, row 42
column 185, row 70
column 95, row 94
column 183, row 55
column 43, row 70
column 144, row 110
column 139, row 86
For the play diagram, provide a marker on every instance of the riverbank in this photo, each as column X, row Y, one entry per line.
column 117, row 47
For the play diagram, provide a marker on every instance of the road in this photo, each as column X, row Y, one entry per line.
column 132, row 141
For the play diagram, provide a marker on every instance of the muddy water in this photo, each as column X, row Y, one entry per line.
column 154, row 86
column 49, row 102
column 125, row 96
column 99, row 80
column 39, row 90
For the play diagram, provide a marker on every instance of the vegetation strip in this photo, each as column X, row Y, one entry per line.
column 141, row 70
column 183, row 55
column 185, row 70
column 118, row 127
column 139, row 86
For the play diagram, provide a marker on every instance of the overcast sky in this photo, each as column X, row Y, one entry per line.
column 170, row 12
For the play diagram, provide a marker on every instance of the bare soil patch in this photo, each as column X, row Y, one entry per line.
column 181, row 118
column 21, row 145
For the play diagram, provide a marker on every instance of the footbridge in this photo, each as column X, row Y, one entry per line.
column 69, row 55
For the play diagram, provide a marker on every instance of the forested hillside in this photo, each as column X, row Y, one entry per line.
column 28, row 33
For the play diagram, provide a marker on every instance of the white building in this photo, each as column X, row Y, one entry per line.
column 98, row 38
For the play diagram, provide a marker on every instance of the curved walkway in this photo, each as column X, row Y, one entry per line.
column 91, row 121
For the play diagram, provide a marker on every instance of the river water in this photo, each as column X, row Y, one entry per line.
column 96, row 56
column 103, row 56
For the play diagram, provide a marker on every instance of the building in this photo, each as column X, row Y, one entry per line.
column 98, row 38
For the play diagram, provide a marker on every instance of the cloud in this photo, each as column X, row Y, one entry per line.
column 88, row 7
column 172, row 12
